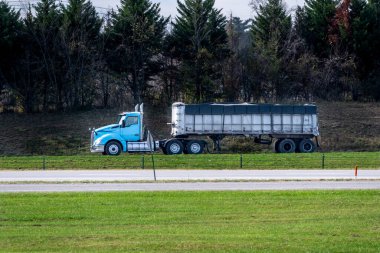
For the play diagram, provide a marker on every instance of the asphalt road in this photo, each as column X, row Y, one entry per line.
column 201, row 186
column 104, row 180
column 182, row 175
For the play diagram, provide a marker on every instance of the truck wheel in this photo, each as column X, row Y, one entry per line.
column 194, row 147
column 306, row 146
column 174, row 147
column 113, row 148
column 287, row 146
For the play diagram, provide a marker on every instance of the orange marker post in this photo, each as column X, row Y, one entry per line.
column 356, row 171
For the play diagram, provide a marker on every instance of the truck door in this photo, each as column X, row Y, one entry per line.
column 130, row 131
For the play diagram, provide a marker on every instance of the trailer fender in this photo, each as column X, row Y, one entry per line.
column 165, row 142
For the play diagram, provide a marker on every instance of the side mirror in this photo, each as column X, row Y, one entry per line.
column 123, row 124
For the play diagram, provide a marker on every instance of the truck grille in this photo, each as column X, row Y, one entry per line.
column 92, row 139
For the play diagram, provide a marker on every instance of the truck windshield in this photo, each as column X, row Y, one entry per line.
column 118, row 119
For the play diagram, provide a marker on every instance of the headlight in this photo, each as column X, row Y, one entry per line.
column 97, row 142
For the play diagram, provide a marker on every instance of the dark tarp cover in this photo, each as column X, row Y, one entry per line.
column 235, row 109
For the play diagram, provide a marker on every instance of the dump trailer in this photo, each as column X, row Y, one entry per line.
column 292, row 128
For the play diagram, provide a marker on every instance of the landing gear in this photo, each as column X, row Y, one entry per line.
column 216, row 141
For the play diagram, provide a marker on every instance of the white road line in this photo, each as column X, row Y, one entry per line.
column 206, row 186
column 144, row 175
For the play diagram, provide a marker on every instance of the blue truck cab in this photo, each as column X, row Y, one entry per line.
column 126, row 135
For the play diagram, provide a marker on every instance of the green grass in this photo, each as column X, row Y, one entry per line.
column 278, row 221
column 336, row 160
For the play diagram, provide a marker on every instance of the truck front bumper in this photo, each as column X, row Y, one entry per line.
column 97, row 149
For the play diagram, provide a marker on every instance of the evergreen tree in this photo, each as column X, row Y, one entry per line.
column 135, row 35
column 201, row 46
column 11, row 29
column 272, row 24
column 11, row 53
column 318, row 17
column 234, row 69
column 169, row 77
column 366, row 44
column 270, row 30
column 238, row 34
column 43, row 31
column 80, row 33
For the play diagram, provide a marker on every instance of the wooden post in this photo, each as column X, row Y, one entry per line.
column 356, row 171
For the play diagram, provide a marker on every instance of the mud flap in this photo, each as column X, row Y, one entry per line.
column 318, row 140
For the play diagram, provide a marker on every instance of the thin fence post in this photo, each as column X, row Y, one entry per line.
column 323, row 161
column 142, row 162
column 154, row 169
column 241, row 161
column 43, row 163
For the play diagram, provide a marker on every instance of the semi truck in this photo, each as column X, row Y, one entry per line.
column 291, row 128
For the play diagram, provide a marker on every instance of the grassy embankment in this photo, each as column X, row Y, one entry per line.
column 276, row 221
column 346, row 160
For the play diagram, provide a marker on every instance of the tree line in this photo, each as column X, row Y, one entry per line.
column 59, row 56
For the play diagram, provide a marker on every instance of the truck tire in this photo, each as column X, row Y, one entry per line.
column 287, row 146
column 113, row 148
column 194, row 147
column 174, row 147
column 306, row 146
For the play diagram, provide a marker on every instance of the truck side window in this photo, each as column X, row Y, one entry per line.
column 131, row 120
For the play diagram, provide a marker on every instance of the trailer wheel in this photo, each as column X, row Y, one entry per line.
column 287, row 146
column 276, row 146
column 113, row 148
column 306, row 146
column 194, row 147
column 174, row 147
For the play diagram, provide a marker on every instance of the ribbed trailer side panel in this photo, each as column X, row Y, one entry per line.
column 244, row 119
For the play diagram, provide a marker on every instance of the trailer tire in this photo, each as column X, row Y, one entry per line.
column 306, row 146
column 194, row 147
column 276, row 145
column 174, row 147
column 113, row 148
column 287, row 146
